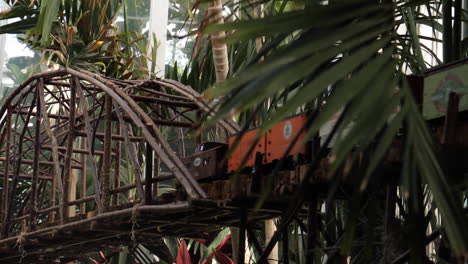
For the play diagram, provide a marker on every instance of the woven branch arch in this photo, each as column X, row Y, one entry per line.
column 57, row 123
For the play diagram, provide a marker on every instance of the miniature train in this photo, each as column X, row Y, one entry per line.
column 209, row 159
column 431, row 91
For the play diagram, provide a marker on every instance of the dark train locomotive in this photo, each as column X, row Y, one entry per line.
column 209, row 159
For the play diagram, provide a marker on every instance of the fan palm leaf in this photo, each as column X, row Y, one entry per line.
column 347, row 54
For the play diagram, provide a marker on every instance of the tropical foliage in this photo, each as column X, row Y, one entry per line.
column 82, row 34
column 328, row 58
column 351, row 58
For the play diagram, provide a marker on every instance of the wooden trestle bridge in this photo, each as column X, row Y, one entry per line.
column 65, row 128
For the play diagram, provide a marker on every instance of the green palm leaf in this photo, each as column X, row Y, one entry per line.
column 350, row 53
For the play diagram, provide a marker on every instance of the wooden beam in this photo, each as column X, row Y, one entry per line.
column 26, row 176
column 89, row 140
column 81, row 150
column 114, row 118
column 131, row 152
column 46, row 163
column 83, row 177
column 37, row 152
column 114, row 137
column 53, row 139
column 106, row 161
column 148, row 174
column 19, row 157
column 118, row 151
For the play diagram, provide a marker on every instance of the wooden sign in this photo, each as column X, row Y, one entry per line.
column 439, row 84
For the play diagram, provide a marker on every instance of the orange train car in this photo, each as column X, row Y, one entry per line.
column 272, row 145
column 243, row 148
column 208, row 161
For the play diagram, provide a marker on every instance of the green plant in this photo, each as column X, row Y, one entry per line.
column 348, row 56
column 80, row 34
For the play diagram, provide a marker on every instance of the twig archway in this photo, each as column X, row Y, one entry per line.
column 62, row 128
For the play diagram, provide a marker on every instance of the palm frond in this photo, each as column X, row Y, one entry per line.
column 347, row 53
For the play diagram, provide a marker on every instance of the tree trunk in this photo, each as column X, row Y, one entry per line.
column 221, row 65
column 219, row 48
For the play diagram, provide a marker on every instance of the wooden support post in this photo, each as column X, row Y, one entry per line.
column 198, row 137
column 89, row 141
column 457, row 30
column 285, row 247
column 53, row 196
column 118, row 153
column 312, row 225
column 257, row 174
column 4, row 227
column 42, row 190
column 148, row 174
column 18, row 159
column 157, row 162
column 72, row 193
column 447, row 34
column 242, row 230
column 106, row 163
column 53, row 139
column 417, row 223
column 69, row 154
column 131, row 152
column 37, row 152
column 180, row 132
column 451, row 118
column 83, row 177
column 157, row 168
